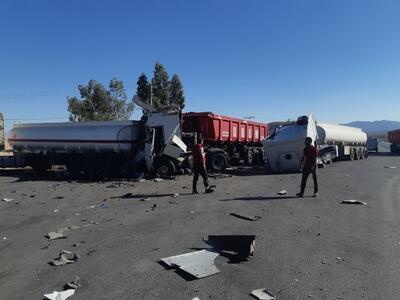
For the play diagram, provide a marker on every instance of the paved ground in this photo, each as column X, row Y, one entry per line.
column 298, row 239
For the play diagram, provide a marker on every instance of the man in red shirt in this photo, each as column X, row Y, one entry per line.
column 310, row 166
column 199, row 160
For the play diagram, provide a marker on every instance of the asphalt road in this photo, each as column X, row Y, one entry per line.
column 297, row 245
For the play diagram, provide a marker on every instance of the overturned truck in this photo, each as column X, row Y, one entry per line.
column 101, row 149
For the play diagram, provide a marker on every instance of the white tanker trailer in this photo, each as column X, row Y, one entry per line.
column 101, row 149
column 284, row 148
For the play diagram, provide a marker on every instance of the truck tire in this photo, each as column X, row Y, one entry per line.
column 164, row 168
column 39, row 164
column 358, row 153
column 352, row 154
column 249, row 157
column 363, row 154
column 218, row 162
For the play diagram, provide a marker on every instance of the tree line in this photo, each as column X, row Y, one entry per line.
column 98, row 103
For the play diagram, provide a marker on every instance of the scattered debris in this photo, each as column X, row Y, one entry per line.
column 103, row 205
column 199, row 263
column 112, row 186
column 4, row 238
column 153, row 207
column 145, row 199
column 175, row 195
column 45, row 247
column 283, row 192
column 74, row 284
column 354, row 202
column 390, row 167
column 317, row 216
column 59, row 197
column 263, row 294
column 56, row 235
column 242, row 245
column 8, row 200
column 245, row 217
column 60, row 295
column 158, row 179
column 56, row 210
column 142, row 180
column 338, row 258
column 196, row 298
column 66, row 257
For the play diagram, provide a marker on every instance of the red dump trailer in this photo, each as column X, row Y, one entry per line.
column 227, row 140
column 394, row 140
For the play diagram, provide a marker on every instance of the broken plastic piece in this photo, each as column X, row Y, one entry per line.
column 56, row 235
column 199, row 263
column 66, row 257
column 245, row 217
column 354, row 202
column 8, row 200
column 263, row 294
column 60, row 295
column 283, row 192
column 242, row 245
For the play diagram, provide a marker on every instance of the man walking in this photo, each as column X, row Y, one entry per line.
column 199, row 159
column 310, row 166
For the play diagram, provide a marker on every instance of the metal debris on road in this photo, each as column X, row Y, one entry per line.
column 338, row 258
column 263, row 294
column 354, row 202
column 66, row 257
column 56, row 235
column 60, row 295
column 74, row 284
column 8, row 200
column 242, row 245
column 245, row 217
column 283, row 192
column 199, row 263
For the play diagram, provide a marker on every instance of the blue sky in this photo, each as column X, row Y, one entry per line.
column 269, row 59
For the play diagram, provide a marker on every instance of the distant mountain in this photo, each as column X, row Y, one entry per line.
column 375, row 127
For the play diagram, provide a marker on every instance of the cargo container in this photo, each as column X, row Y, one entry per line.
column 394, row 140
column 227, row 140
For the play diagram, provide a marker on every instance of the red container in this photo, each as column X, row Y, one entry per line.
column 217, row 128
column 394, row 136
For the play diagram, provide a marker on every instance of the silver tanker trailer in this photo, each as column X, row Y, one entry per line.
column 284, row 148
column 101, row 149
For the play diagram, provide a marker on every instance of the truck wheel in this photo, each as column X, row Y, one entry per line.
column 218, row 162
column 352, row 154
column 249, row 158
column 358, row 153
column 165, row 168
column 39, row 164
column 363, row 154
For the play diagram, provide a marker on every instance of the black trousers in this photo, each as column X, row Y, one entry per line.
column 199, row 170
column 306, row 173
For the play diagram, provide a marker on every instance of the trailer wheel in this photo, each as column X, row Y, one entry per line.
column 249, row 157
column 165, row 168
column 352, row 154
column 218, row 162
column 357, row 153
column 363, row 154
column 39, row 164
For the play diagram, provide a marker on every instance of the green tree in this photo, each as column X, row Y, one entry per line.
column 176, row 96
column 99, row 104
column 160, row 85
column 143, row 89
column 164, row 94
